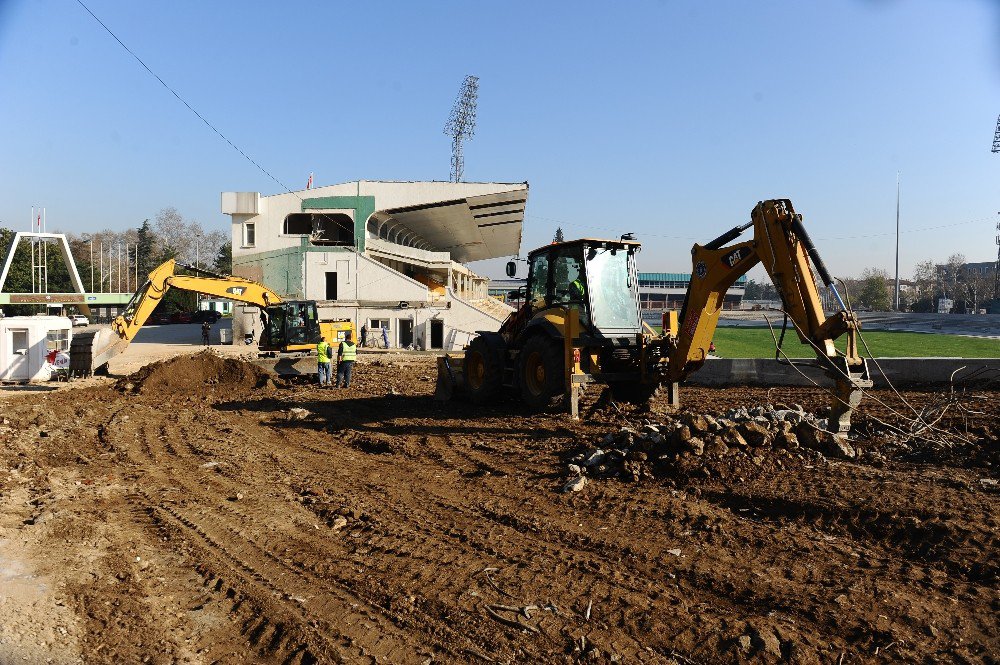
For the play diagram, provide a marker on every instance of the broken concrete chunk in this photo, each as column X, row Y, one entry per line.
column 756, row 435
column 295, row 413
column 575, row 484
column 594, row 458
column 695, row 445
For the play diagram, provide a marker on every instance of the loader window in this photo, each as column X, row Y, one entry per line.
column 567, row 279
column 614, row 302
column 539, row 279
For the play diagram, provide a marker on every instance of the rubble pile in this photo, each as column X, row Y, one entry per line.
column 735, row 443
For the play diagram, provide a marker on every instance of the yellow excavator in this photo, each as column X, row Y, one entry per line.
column 288, row 326
column 581, row 321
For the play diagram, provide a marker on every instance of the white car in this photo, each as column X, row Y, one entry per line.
column 79, row 320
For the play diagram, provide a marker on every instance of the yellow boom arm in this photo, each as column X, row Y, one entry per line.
column 163, row 278
column 782, row 245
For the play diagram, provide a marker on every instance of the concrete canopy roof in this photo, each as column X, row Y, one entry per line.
column 470, row 229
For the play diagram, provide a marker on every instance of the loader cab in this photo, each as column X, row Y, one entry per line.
column 597, row 277
column 290, row 326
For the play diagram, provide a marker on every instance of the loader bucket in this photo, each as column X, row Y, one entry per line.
column 450, row 378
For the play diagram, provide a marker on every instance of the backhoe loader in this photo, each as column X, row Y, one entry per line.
column 289, row 326
column 580, row 322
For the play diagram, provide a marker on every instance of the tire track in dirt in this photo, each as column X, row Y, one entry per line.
column 711, row 584
column 582, row 566
column 239, row 554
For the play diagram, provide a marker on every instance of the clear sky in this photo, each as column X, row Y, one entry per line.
column 669, row 119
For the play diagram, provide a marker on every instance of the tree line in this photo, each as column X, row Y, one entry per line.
column 113, row 261
column 970, row 290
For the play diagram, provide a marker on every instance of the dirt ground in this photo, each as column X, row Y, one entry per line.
column 188, row 514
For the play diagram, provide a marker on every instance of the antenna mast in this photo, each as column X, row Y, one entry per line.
column 996, row 137
column 461, row 124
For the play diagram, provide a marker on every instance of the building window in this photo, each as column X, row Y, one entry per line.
column 249, row 235
column 57, row 340
column 323, row 228
column 297, row 224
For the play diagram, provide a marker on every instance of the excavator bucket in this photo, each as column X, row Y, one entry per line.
column 450, row 378
column 90, row 352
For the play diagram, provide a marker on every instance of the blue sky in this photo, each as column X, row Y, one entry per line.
column 669, row 119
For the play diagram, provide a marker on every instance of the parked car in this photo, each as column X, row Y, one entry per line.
column 203, row 315
column 79, row 320
column 159, row 318
column 180, row 317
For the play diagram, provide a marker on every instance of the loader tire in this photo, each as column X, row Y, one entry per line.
column 483, row 369
column 542, row 372
column 633, row 393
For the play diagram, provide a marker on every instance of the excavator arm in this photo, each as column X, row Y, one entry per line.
column 783, row 247
column 164, row 277
column 91, row 351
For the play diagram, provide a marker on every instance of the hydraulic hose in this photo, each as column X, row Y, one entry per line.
column 817, row 260
column 734, row 232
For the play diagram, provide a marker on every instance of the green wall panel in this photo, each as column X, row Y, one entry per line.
column 363, row 207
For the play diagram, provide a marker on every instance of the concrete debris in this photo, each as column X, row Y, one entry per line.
column 707, row 444
column 295, row 413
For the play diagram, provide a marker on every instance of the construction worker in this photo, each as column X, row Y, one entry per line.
column 577, row 290
column 347, row 353
column 364, row 334
column 323, row 353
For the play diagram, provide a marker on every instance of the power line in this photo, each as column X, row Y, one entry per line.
column 182, row 100
column 200, row 116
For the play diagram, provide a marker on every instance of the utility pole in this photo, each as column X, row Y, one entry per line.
column 461, row 124
column 996, row 268
column 897, row 241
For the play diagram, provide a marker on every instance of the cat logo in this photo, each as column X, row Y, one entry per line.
column 236, row 290
column 733, row 257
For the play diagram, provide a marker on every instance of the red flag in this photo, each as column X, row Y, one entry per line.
column 310, row 183
column 38, row 224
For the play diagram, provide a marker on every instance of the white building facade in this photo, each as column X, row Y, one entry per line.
column 382, row 254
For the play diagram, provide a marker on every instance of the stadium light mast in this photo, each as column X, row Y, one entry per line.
column 996, row 137
column 461, row 124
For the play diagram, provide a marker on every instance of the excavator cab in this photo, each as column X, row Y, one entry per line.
column 290, row 326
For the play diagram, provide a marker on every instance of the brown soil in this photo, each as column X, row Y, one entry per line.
column 186, row 514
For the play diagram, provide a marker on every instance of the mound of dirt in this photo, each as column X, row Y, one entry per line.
column 190, row 374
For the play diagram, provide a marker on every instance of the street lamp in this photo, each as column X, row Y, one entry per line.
column 90, row 241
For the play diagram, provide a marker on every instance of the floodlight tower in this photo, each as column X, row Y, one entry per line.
column 996, row 137
column 461, row 124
